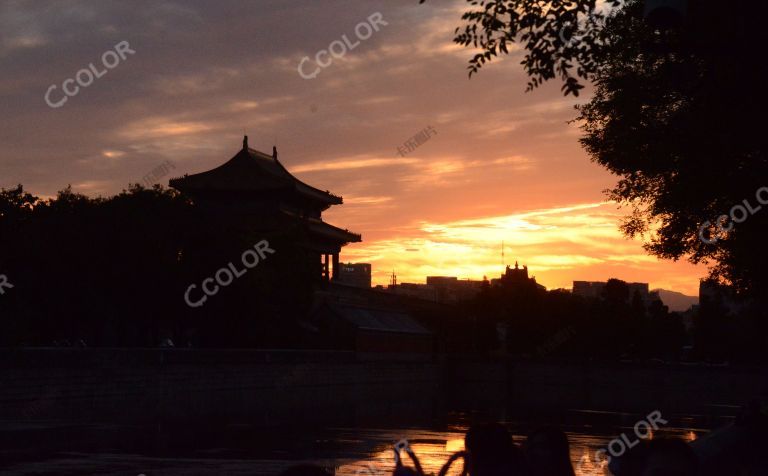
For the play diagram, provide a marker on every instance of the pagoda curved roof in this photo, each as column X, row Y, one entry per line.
column 251, row 171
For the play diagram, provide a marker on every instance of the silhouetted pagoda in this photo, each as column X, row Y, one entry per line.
column 257, row 188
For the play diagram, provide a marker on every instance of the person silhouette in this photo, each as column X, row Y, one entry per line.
column 547, row 453
column 665, row 457
column 657, row 457
column 490, row 451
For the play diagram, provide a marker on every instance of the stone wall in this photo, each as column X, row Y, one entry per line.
column 270, row 387
column 154, row 384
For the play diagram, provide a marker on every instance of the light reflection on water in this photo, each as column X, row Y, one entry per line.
column 252, row 450
column 434, row 448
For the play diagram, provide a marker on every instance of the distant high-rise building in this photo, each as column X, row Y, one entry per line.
column 355, row 274
column 453, row 289
column 588, row 289
column 450, row 289
column 440, row 289
column 442, row 281
column 594, row 289
column 713, row 295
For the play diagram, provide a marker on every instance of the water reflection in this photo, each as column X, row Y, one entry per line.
column 361, row 448
column 434, row 448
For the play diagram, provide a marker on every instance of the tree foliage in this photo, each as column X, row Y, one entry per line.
column 676, row 114
column 114, row 271
column 552, row 325
column 547, row 30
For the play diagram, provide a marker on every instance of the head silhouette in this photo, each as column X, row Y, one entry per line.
column 490, row 451
column 548, row 453
column 665, row 457
column 657, row 457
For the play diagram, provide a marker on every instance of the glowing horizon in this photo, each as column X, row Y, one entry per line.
column 502, row 164
column 579, row 242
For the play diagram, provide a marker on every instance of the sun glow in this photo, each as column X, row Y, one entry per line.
column 559, row 245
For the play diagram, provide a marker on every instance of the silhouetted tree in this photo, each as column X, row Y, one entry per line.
column 545, row 29
column 616, row 292
column 675, row 114
column 113, row 272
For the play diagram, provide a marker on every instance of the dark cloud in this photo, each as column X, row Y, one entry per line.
column 203, row 72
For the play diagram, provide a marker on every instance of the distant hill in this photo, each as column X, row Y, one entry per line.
column 677, row 301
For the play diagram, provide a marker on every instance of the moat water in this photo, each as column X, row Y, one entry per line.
column 49, row 447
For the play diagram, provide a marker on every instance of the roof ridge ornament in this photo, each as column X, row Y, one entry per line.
column 274, row 152
column 245, row 142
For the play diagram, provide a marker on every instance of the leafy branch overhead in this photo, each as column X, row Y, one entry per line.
column 675, row 113
column 547, row 31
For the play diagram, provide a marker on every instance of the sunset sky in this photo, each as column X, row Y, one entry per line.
column 505, row 165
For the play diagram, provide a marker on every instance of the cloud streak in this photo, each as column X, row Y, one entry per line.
column 501, row 166
column 560, row 244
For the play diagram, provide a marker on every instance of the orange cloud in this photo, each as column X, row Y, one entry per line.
column 559, row 245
